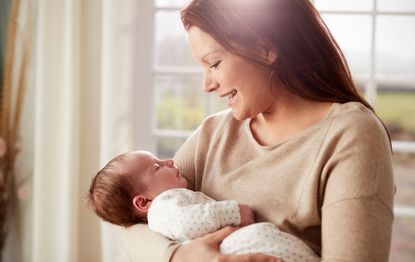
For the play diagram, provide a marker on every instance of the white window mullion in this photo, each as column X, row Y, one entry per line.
column 145, row 97
column 168, row 8
column 377, row 12
column 173, row 70
column 403, row 147
column 172, row 133
column 404, row 211
column 371, row 88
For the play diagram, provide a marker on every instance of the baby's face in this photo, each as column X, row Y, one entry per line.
column 157, row 175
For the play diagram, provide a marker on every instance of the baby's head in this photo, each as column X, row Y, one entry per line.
column 121, row 193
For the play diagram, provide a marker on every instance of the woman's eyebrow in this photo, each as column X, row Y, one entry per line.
column 209, row 53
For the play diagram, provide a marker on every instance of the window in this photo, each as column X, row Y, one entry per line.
column 377, row 38
column 178, row 103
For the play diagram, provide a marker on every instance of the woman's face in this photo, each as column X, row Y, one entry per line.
column 245, row 86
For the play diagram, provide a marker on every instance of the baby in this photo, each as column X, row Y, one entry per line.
column 137, row 187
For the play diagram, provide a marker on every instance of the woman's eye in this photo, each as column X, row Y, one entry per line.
column 157, row 167
column 215, row 65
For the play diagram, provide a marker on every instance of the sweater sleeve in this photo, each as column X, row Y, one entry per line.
column 185, row 159
column 192, row 156
column 181, row 214
column 357, row 205
column 143, row 244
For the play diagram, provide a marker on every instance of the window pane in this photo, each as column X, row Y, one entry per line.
column 395, row 73
column 342, row 5
column 395, row 52
column 403, row 244
column 171, row 45
column 180, row 102
column 353, row 34
column 170, row 3
column 396, row 5
column 404, row 166
column 397, row 110
column 403, row 238
column 167, row 146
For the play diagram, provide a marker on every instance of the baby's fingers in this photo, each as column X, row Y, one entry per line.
column 251, row 258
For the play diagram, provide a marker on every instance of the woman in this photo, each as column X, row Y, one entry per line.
column 300, row 145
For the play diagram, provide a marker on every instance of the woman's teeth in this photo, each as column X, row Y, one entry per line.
column 231, row 95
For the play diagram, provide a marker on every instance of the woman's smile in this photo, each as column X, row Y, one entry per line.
column 244, row 86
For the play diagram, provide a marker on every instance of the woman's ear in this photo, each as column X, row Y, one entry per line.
column 271, row 56
column 267, row 52
column 141, row 203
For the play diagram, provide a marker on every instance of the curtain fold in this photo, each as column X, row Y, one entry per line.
column 83, row 116
column 57, row 132
column 119, row 43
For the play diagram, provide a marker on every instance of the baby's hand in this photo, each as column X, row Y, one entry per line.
column 247, row 216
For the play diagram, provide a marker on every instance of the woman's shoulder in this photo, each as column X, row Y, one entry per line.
column 209, row 131
column 351, row 110
column 354, row 116
column 357, row 124
column 219, row 117
column 219, row 121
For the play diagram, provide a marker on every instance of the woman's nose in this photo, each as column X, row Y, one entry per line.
column 209, row 84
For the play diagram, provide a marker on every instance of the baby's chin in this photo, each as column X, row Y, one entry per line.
column 184, row 183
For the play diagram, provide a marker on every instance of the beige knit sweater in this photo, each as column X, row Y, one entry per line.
column 331, row 185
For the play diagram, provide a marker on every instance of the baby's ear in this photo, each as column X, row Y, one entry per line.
column 141, row 203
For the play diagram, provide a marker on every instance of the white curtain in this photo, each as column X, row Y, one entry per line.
column 83, row 82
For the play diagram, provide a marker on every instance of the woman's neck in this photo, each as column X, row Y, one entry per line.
column 286, row 118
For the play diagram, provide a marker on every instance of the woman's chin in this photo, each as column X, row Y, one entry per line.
column 238, row 116
column 235, row 115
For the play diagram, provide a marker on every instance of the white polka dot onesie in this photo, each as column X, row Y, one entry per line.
column 182, row 214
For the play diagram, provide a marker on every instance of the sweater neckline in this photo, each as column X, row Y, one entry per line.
column 247, row 128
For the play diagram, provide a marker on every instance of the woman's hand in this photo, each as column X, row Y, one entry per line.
column 206, row 249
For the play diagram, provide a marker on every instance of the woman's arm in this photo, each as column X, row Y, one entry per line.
column 356, row 230
column 142, row 244
column 158, row 248
column 357, row 212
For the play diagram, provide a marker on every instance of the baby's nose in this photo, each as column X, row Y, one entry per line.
column 170, row 163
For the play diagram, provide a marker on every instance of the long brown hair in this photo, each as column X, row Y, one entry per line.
column 309, row 62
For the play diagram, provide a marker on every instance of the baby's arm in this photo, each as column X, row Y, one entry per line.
column 182, row 214
column 247, row 216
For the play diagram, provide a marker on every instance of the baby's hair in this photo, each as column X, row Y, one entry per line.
column 112, row 191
